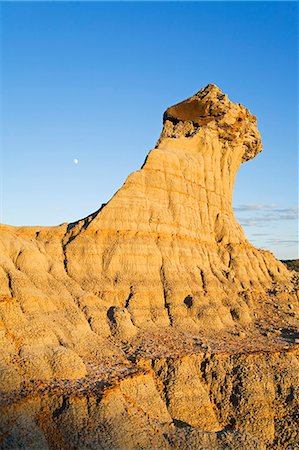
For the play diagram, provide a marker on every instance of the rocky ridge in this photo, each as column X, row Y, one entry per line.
column 153, row 323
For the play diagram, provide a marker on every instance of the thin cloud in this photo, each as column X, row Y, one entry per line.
column 253, row 222
column 285, row 242
column 265, row 214
column 255, row 207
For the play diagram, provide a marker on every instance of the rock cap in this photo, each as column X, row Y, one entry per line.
column 211, row 108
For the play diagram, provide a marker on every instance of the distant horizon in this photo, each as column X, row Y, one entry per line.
column 85, row 86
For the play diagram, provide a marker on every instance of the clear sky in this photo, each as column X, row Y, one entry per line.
column 90, row 81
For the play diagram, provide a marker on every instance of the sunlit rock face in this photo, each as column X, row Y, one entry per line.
column 153, row 322
column 165, row 251
column 170, row 231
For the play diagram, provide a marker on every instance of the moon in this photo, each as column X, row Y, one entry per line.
column 75, row 161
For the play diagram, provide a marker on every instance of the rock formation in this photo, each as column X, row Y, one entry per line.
column 153, row 322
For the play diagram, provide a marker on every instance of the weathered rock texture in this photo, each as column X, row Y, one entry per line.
column 161, row 284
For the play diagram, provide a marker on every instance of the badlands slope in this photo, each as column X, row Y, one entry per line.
column 153, row 323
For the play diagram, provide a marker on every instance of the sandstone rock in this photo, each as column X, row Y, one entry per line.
column 10, row 379
column 67, row 364
column 165, row 256
column 121, row 323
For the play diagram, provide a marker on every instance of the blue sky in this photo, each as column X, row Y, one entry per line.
column 91, row 81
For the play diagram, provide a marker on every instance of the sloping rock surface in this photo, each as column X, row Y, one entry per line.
column 153, row 323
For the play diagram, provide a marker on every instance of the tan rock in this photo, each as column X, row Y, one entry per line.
column 164, row 257
column 168, row 234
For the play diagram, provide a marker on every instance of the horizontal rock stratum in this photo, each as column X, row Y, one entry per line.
column 153, row 322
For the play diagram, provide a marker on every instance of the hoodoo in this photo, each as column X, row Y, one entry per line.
column 170, row 232
column 107, row 325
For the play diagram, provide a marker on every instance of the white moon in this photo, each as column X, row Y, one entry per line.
column 76, row 161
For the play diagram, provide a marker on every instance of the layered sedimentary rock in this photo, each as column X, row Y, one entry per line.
column 170, row 232
column 164, row 257
column 199, row 401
